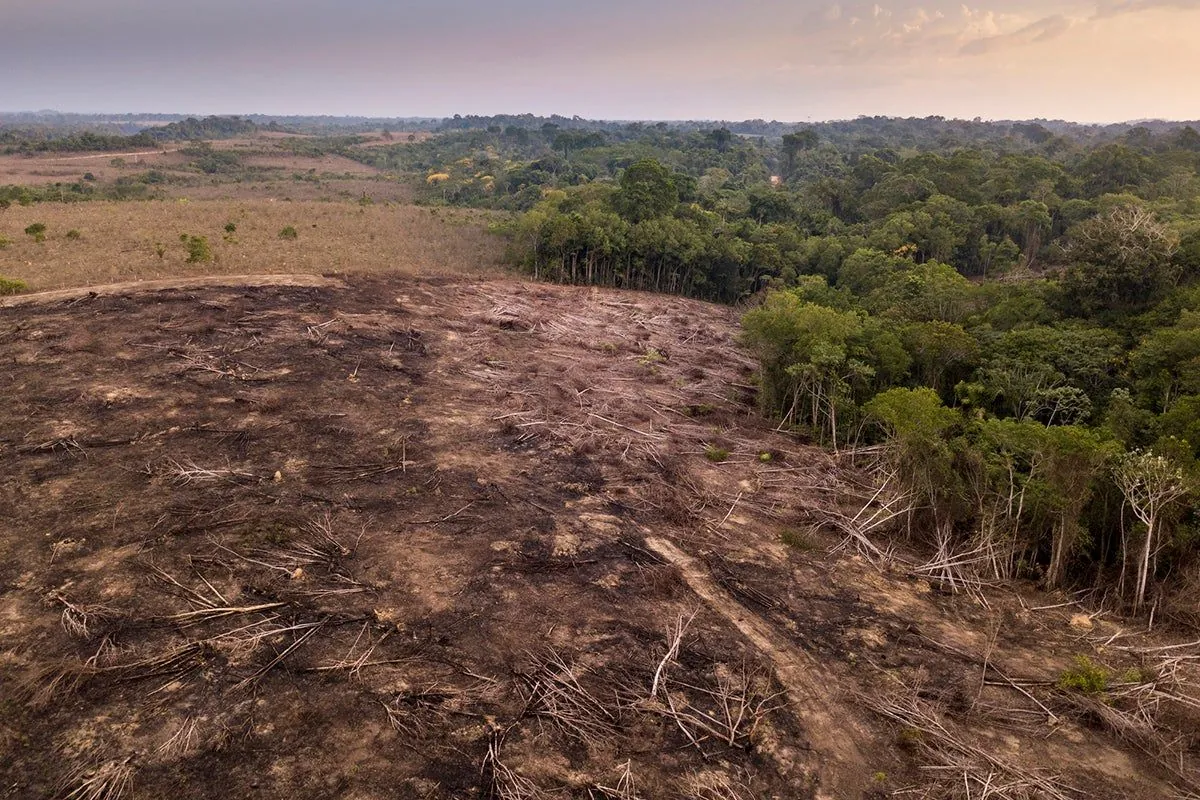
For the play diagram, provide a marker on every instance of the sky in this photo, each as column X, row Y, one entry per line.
column 791, row 60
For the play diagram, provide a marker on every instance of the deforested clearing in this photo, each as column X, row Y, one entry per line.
column 396, row 537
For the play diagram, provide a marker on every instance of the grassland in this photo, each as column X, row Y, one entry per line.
column 120, row 241
column 348, row 217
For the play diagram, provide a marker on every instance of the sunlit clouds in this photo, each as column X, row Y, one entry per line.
column 1086, row 60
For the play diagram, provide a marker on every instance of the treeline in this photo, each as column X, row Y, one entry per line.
column 49, row 141
column 192, row 129
column 52, row 139
column 127, row 187
column 1015, row 332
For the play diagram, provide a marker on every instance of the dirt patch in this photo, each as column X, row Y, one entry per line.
column 437, row 538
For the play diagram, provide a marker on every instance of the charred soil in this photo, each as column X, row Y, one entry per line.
column 395, row 537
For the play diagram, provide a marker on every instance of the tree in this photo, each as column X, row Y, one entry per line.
column 942, row 352
column 198, row 251
column 795, row 143
column 1121, row 262
column 815, row 361
column 1166, row 363
column 647, row 191
column 1152, row 485
column 1073, row 459
column 920, row 458
column 721, row 138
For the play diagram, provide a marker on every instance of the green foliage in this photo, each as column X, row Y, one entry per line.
column 211, row 161
column 198, row 250
column 192, row 129
column 817, row 361
column 74, row 235
column 4, row 242
column 647, row 191
column 11, row 285
column 651, row 357
column 1085, row 677
column 231, row 227
column 37, row 230
column 1120, row 262
column 289, row 233
column 716, row 454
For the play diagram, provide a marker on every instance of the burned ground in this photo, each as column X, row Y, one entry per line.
column 415, row 538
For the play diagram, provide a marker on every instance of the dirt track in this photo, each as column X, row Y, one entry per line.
column 406, row 538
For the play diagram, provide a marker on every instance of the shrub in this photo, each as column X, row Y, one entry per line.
column 288, row 233
column 1086, row 677
column 4, row 242
column 230, row 227
column 715, row 454
column 797, row 539
column 651, row 357
column 11, row 285
column 38, row 231
column 74, row 235
column 197, row 249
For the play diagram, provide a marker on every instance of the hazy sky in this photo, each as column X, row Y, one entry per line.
column 1087, row 60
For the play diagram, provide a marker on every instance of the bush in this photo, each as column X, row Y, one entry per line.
column 74, row 235
column 4, row 242
column 197, row 249
column 38, row 231
column 11, row 285
column 715, row 454
column 230, row 227
column 288, row 233
column 1086, row 677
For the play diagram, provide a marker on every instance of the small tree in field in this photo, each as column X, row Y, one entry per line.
column 38, row 231
column 197, row 249
column 1152, row 484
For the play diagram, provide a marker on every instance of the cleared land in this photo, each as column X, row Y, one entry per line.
column 348, row 217
column 120, row 241
column 450, row 538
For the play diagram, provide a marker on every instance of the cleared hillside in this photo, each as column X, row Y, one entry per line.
column 446, row 538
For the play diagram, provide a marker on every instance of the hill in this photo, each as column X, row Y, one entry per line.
column 391, row 537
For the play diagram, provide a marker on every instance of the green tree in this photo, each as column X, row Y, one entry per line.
column 1121, row 262
column 647, row 191
column 918, row 453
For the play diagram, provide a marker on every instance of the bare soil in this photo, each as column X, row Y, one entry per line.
column 453, row 538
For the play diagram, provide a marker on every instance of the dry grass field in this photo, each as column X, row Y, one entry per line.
column 36, row 170
column 271, row 189
column 119, row 241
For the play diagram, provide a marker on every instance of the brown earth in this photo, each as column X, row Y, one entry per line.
column 267, row 170
column 449, row 538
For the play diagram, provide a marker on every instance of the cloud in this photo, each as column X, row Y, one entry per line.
column 1106, row 9
column 1043, row 30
